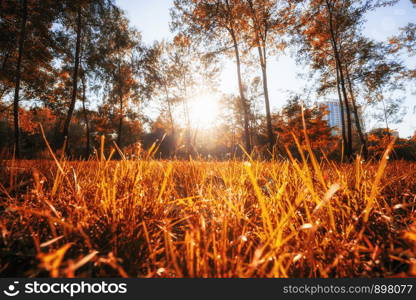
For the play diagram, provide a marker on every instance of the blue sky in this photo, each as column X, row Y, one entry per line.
column 152, row 18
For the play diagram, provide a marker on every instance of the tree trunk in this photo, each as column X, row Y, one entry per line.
column 263, row 65
column 363, row 140
column 18, row 77
column 172, row 123
column 120, row 122
column 386, row 120
column 87, row 124
column 74, row 78
column 230, row 29
column 242, row 97
column 341, row 105
column 188, row 134
column 349, row 151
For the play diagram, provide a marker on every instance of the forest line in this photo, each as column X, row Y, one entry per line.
column 81, row 70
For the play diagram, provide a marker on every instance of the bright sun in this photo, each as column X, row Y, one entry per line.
column 204, row 111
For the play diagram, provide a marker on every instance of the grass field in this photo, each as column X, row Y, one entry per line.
column 150, row 218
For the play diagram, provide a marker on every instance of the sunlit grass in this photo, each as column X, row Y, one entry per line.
column 153, row 218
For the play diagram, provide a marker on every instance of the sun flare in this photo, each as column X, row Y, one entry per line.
column 204, row 111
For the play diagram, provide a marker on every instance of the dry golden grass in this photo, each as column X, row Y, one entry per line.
column 152, row 218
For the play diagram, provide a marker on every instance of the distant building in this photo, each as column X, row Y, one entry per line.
column 394, row 133
column 334, row 116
